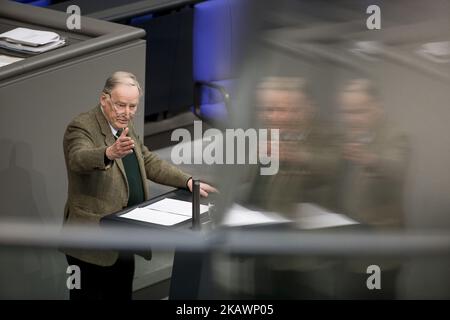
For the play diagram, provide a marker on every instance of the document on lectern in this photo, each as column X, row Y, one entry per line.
column 155, row 216
column 176, row 206
column 312, row 216
column 166, row 212
column 238, row 215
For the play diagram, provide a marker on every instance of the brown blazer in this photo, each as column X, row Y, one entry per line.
column 96, row 189
column 374, row 196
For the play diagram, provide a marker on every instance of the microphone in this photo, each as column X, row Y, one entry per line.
column 195, row 204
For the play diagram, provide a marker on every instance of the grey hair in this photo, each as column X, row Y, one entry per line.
column 282, row 83
column 121, row 77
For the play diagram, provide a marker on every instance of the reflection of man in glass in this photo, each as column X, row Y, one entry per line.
column 307, row 162
column 374, row 159
column 369, row 180
column 284, row 103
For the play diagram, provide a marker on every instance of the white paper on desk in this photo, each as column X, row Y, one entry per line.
column 30, row 49
column 154, row 216
column 174, row 206
column 312, row 216
column 5, row 60
column 240, row 216
column 30, row 37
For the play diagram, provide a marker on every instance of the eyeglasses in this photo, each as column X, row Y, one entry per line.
column 120, row 107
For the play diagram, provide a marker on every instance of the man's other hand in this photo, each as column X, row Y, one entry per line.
column 204, row 188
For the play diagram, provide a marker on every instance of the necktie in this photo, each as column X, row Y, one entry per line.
column 131, row 166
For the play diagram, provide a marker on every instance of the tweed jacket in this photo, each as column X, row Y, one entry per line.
column 97, row 187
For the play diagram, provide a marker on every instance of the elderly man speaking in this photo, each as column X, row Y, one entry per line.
column 107, row 167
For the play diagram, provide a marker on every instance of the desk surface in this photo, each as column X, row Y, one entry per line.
column 8, row 25
column 94, row 37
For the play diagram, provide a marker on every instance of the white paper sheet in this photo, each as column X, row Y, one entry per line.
column 312, row 216
column 175, row 206
column 240, row 216
column 30, row 49
column 5, row 60
column 30, row 37
column 154, row 216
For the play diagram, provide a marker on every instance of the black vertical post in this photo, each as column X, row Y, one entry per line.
column 195, row 204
